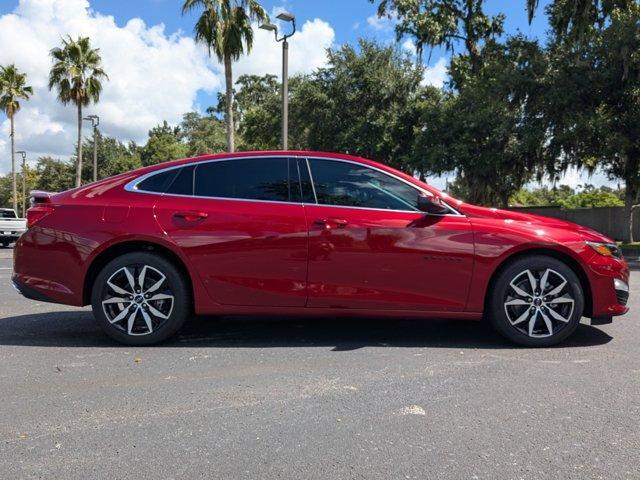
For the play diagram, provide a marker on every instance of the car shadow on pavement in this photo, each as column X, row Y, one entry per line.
column 78, row 329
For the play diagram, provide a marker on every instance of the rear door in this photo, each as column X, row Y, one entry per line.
column 242, row 224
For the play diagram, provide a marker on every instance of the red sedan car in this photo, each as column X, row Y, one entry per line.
column 308, row 233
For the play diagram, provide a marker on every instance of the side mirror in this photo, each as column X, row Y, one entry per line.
column 431, row 204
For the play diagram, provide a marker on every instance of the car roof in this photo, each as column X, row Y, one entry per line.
column 259, row 153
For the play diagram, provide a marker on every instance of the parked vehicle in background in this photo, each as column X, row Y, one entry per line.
column 11, row 227
column 308, row 233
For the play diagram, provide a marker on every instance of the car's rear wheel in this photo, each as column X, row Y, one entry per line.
column 140, row 298
column 536, row 301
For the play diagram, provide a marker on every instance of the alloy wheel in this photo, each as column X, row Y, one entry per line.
column 137, row 299
column 539, row 303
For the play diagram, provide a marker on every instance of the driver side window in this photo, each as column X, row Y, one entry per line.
column 349, row 184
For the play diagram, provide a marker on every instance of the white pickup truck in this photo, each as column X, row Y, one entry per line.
column 11, row 227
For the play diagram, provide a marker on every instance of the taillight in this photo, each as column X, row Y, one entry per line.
column 41, row 206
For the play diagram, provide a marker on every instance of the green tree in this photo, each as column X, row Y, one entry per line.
column 76, row 75
column 491, row 131
column 124, row 161
column 592, row 197
column 13, row 88
column 164, row 144
column 6, row 194
column 224, row 26
column 113, row 157
column 594, row 96
column 447, row 23
column 202, row 134
column 54, row 175
column 362, row 103
column 261, row 106
column 543, row 196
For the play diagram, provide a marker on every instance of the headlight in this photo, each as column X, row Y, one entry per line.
column 606, row 249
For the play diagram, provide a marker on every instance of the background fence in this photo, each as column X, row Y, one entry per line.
column 608, row 220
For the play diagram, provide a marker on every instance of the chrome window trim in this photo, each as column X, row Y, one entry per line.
column 132, row 185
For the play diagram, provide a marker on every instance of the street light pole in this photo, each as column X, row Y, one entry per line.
column 24, row 182
column 95, row 121
column 285, row 17
column 285, row 94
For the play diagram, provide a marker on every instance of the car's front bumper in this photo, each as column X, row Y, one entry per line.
column 609, row 279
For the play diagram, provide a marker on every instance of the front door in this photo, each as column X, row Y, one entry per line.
column 370, row 247
column 242, row 224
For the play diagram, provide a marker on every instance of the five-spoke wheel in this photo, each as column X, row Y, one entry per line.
column 140, row 298
column 536, row 301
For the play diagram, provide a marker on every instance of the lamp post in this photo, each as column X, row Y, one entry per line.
column 95, row 121
column 24, row 182
column 285, row 17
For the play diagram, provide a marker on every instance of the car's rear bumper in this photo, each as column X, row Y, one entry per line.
column 29, row 292
column 47, row 269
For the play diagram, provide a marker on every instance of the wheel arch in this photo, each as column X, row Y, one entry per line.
column 129, row 246
column 566, row 258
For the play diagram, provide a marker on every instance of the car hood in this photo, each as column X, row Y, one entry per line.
column 531, row 221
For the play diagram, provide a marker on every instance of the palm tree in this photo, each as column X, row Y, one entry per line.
column 76, row 74
column 225, row 28
column 12, row 89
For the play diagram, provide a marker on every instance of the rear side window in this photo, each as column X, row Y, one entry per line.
column 353, row 185
column 158, row 182
column 183, row 182
column 269, row 179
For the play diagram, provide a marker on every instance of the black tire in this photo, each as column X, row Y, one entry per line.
column 511, row 313
column 143, row 311
column 5, row 244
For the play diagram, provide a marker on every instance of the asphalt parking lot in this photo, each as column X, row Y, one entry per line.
column 311, row 398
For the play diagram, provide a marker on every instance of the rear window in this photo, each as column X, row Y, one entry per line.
column 7, row 214
column 158, row 182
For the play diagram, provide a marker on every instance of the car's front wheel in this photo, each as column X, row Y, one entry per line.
column 536, row 301
column 140, row 298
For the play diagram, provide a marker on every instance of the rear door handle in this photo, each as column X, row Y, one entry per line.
column 191, row 216
column 329, row 223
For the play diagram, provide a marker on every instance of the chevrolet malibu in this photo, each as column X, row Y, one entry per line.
column 308, row 233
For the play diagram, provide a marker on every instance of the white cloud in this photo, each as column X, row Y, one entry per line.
column 382, row 24
column 153, row 75
column 409, row 47
column 307, row 50
column 437, row 74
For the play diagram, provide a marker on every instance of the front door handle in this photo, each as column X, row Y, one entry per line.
column 329, row 223
column 191, row 216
